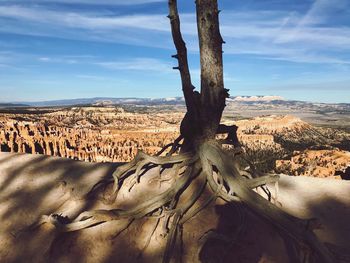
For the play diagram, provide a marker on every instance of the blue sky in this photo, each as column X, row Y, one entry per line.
column 60, row 49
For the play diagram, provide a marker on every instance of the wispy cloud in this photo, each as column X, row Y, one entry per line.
column 58, row 60
column 268, row 34
column 321, row 10
column 91, row 77
column 129, row 64
column 138, row 29
column 289, row 36
column 9, row 60
column 313, row 26
column 90, row 2
column 67, row 59
column 82, row 20
column 138, row 64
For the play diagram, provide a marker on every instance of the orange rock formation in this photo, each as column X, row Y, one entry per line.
column 89, row 134
column 110, row 134
column 320, row 163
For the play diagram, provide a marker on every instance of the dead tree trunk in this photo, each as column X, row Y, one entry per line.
column 213, row 94
column 204, row 109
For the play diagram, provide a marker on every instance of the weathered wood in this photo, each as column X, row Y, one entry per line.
column 213, row 94
column 238, row 185
column 181, row 56
column 204, row 109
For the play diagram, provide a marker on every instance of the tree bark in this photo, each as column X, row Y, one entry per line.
column 213, row 94
column 204, row 109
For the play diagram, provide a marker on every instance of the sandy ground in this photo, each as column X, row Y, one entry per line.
column 33, row 185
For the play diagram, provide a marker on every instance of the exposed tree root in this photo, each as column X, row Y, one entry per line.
column 291, row 226
column 174, row 147
column 212, row 167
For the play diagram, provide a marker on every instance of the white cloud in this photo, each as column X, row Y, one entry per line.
column 91, row 77
column 91, row 2
column 321, row 10
column 45, row 59
column 58, row 60
column 81, row 20
column 279, row 35
column 139, row 29
column 130, row 64
column 139, row 64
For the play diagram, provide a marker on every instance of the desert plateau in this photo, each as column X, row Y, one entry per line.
column 103, row 132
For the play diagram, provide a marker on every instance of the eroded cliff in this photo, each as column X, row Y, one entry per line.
column 88, row 133
column 111, row 134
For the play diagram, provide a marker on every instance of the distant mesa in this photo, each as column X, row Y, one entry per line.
column 106, row 101
column 103, row 103
column 257, row 98
column 10, row 105
column 170, row 99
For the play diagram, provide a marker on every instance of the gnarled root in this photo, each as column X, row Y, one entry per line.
column 238, row 186
column 90, row 218
column 212, row 168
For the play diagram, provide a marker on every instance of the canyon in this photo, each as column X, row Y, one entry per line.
column 115, row 134
column 95, row 134
column 35, row 184
column 320, row 163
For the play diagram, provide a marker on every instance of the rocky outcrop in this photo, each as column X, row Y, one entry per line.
column 272, row 125
column 80, row 143
column 112, row 134
column 271, row 138
column 88, row 133
column 316, row 163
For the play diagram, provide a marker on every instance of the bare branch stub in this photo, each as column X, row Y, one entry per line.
column 231, row 132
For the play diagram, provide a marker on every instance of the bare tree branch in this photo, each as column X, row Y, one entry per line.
column 181, row 56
